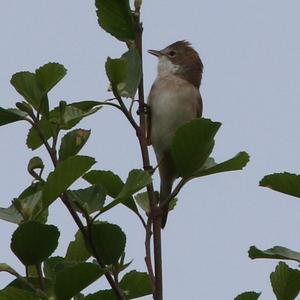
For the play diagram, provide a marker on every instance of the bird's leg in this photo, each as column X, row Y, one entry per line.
column 143, row 109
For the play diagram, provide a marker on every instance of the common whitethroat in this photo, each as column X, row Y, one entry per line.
column 174, row 100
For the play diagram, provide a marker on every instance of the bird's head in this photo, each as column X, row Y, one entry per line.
column 180, row 59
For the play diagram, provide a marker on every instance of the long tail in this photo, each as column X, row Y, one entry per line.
column 165, row 191
column 167, row 173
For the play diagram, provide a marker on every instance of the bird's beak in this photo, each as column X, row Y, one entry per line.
column 155, row 52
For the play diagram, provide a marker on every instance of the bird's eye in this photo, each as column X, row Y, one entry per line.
column 172, row 53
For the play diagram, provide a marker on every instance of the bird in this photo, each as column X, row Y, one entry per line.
column 174, row 100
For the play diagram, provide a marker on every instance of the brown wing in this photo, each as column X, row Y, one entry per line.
column 199, row 107
column 149, row 121
column 148, row 129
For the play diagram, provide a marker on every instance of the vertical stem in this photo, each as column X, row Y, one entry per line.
column 148, row 252
column 155, row 210
column 41, row 277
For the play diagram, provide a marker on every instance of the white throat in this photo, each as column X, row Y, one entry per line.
column 166, row 67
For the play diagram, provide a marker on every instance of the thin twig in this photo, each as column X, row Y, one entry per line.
column 174, row 193
column 131, row 106
column 126, row 112
column 110, row 104
column 35, row 125
column 148, row 252
column 141, row 219
column 55, row 138
column 137, row 213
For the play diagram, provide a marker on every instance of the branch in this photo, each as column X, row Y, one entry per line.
column 35, row 125
column 141, row 219
column 88, row 238
column 175, row 192
column 148, row 252
column 155, row 211
column 126, row 111
column 110, row 104
column 65, row 199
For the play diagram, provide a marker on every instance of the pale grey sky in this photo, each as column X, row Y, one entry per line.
column 251, row 54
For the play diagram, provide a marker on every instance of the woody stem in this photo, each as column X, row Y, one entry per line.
column 155, row 211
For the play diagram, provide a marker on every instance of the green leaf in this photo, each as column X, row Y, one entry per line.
column 136, row 284
column 33, row 242
column 10, row 214
column 49, row 75
column 192, row 144
column 112, row 184
column 11, row 293
column 276, row 252
column 11, row 115
column 34, row 140
column 66, row 173
column 22, row 283
column 125, row 73
column 133, row 73
column 73, row 142
column 115, row 17
column 24, row 107
column 110, row 181
column 88, row 200
column 52, row 265
column 248, row 296
column 286, row 183
column 86, row 106
column 29, row 204
column 72, row 280
column 137, row 179
column 26, row 84
column 116, row 70
column 73, row 114
column 26, row 207
column 35, row 163
column 102, row 295
column 238, row 162
column 77, row 250
column 285, row 282
column 109, row 240
column 27, row 283
column 143, row 202
column 35, row 86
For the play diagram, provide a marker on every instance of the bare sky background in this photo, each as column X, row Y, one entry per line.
column 251, row 54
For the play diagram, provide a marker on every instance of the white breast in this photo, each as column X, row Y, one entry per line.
column 166, row 67
column 173, row 102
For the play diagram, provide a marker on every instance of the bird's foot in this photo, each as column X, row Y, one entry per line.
column 143, row 109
